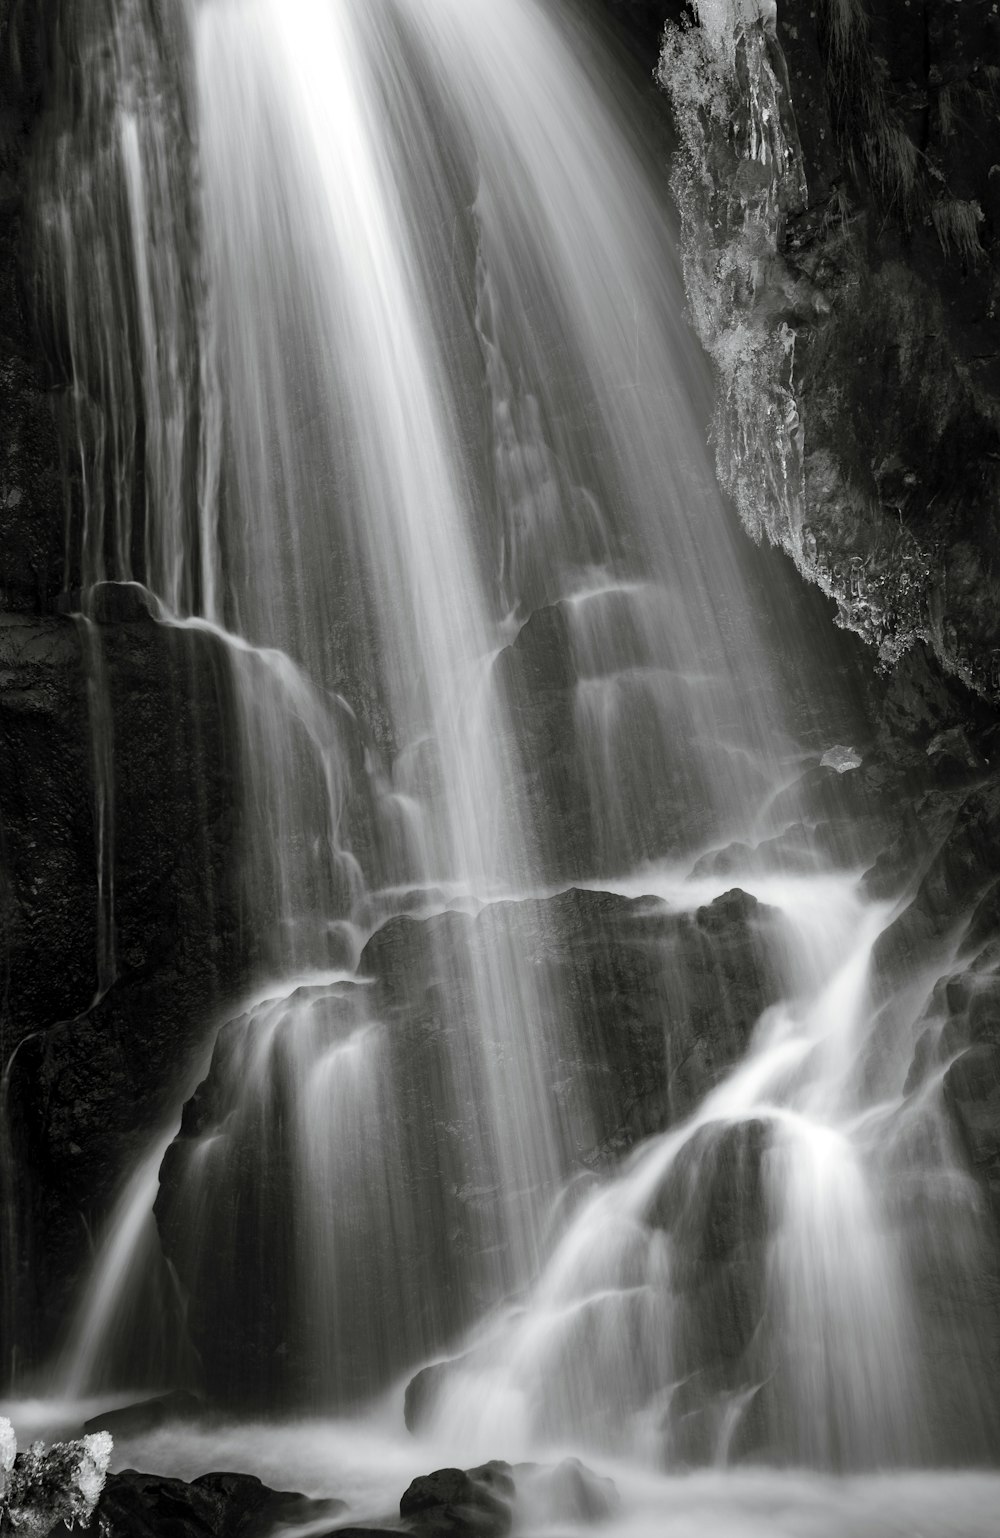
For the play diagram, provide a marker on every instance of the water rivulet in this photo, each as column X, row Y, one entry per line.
column 567, row 1090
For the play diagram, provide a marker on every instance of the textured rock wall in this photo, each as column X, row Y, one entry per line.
column 839, row 186
column 31, row 487
column 662, row 1005
column 99, row 1041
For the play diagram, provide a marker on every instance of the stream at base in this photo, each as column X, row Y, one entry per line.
column 369, row 1462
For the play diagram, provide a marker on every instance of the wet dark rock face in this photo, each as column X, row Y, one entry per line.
column 641, row 23
column 447, row 1503
column 99, row 1060
column 663, row 1005
column 858, row 246
column 136, row 1505
column 94, row 1069
column 31, row 483
column 453, row 1503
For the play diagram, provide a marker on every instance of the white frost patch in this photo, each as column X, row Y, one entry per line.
column 841, row 758
column 723, row 20
column 738, row 173
column 40, row 1489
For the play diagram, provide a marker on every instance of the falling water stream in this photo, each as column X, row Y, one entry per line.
column 387, row 292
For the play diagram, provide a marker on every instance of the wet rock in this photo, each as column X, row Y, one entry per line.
column 642, row 22
column 876, row 242
column 537, row 677
column 422, row 1391
column 567, row 1492
column 948, row 854
column 32, row 493
column 452, row 1503
column 147, row 1414
column 98, row 1058
column 972, row 1092
column 649, row 1008
column 363, row 1532
column 136, row 1505
column 713, row 1201
column 612, row 771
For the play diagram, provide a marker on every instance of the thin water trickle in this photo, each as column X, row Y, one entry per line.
column 393, row 293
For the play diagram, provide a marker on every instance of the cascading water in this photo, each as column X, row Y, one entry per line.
column 381, row 378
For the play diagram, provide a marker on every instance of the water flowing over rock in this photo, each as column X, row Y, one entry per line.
column 476, row 943
column 664, row 1005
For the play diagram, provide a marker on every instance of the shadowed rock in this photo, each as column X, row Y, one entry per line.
column 136, row 1505
column 452, row 1503
column 654, row 1008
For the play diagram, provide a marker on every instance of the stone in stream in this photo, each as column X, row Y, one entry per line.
column 564, row 1492
column 147, row 1414
column 447, row 1503
column 457, row 1503
column 136, row 1505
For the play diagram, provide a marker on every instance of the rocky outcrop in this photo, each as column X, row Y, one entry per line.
column 110, row 968
column 447, row 1503
column 658, row 1005
column 837, row 179
column 119, row 902
column 453, row 1503
column 32, row 491
column 136, row 1505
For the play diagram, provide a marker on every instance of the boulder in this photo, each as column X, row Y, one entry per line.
column 569, row 1492
column 147, row 1414
column 456, row 1503
column 136, row 1505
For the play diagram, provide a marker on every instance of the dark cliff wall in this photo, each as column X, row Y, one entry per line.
column 838, row 177
column 844, row 263
column 31, row 489
column 99, row 1047
column 899, row 385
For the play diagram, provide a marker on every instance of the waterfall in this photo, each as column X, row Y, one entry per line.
column 380, row 377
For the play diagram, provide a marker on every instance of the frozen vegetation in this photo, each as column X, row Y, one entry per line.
column 39, row 1488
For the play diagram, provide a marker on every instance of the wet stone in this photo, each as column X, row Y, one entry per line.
column 452, row 1503
column 222, row 1505
column 567, row 1492
column 147, row 1414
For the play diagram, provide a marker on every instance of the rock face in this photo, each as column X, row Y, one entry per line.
column 714, row 1205
column 663, row 1004
column 32, row 494
column 119, row 905
column 843, row 234
column 101, row 1041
